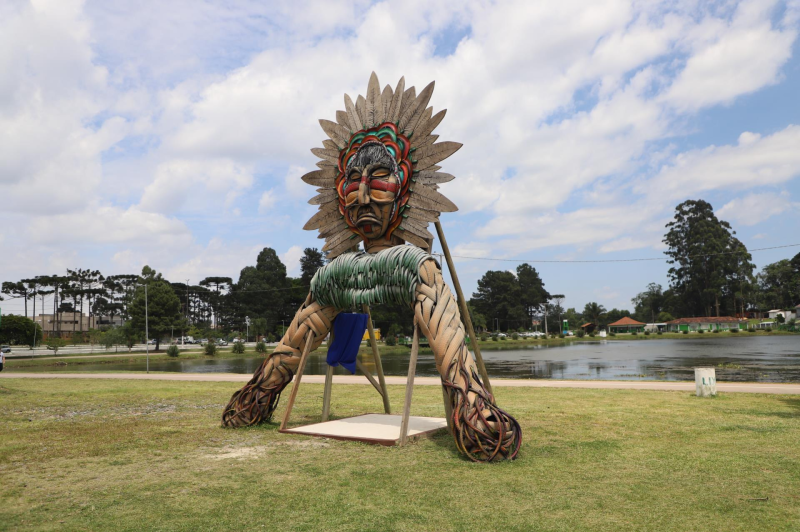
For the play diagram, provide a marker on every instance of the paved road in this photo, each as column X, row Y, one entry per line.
column 429, row 381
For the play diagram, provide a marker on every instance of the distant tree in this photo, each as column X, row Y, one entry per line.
column 614, row 315
column 664, row 317
column 531, row 290
column 594, row 312
column 163, row 307
column 55, row 343
column 707, row 261
column 19, row 330
column 217, row 284
column 311, row 261
column 648, row 303
column 263, row 290
column 17, row 290
column 478, row 319
column 778, row 282
column 499, row 297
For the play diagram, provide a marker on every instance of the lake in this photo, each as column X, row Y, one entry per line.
column 756, row 359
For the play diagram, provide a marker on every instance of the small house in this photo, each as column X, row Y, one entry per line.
column 588, row 327
column 626, row 324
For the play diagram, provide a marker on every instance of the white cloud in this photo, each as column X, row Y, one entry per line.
column 266, row 202
column 627, row 243
column 755, row 208
column 754, row 162
column 217, row 258
column 291, row 259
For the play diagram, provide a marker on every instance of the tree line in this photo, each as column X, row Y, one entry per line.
column 711, row 274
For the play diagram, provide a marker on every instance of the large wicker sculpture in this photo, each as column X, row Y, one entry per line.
column 377, row 184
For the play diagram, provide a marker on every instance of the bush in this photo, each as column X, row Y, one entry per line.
column 484, row 338
column 580, row 333
column 612, row 334
column 391, row 340
column 238, row 348
column 515, row 336
column 211, row 349
column 715, row 331
column 700, row 331
column 685, row 332
column 561, row 335
column 647, row 333
column 634, row 333
column 504, row 338
column 659, row 333
column 734, row 330
column 752, row 330
column 768, row 329
column 591, row 335
column 495, row 338
column 261, row 347
column 173, row 351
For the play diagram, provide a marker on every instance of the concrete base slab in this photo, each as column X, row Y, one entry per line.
column 380, row 429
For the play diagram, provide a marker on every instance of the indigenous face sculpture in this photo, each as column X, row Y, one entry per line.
column 371, row 185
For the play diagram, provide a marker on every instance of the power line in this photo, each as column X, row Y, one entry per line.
column 625, row 260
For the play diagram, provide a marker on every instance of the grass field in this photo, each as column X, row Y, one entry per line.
column 125, row 455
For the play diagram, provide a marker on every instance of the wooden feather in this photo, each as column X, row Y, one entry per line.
column 423, row 131
column 386, row 98
column 423, row 119
column 397, row 101
column 430, row 155
column 327, row 214
column 343, row 247
column 352, row 114
column 320, row 178
column 421, row 214
column 325, row 164
column 337, row 238
column 417, row 227
column 328, row 155
column 343, row 120
column 411, row 238
column 409, row 97
column 326, row 196
column 374, row 107
column 426, row 177
column 427, row 198
column 361, row 109
column 411, row 115
column 337, row 133
column 328, row 144
column 332, row 228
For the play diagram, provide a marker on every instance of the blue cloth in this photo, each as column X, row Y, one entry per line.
column 348, row 330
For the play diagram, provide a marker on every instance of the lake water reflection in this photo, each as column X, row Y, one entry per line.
column 757, row 359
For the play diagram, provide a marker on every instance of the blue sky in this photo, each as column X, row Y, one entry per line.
column 175, row 134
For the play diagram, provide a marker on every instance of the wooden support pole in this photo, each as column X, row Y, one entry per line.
column 412, row 370
column 369, row 376
column 377, row 357
column 462, row 303
column 448, row 410
column 326, row 395
column 297, row 378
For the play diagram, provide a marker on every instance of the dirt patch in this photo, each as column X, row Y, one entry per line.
column 239, row 453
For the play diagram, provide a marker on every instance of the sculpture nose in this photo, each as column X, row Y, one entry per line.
column 363, row 190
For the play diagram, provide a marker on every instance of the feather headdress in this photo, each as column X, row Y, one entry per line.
column 404, row 124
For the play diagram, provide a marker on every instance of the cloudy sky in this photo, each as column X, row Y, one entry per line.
column 175, row 133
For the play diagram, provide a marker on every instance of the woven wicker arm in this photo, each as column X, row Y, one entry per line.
column 482, row 431
column 256, row 401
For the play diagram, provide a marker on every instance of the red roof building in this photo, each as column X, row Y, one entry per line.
column 626, row 324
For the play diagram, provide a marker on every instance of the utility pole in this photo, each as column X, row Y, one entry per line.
column 146, row 331
column 247, row 334
column 545, row 318
column 183, row 336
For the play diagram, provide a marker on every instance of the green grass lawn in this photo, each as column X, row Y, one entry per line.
column 149, row 455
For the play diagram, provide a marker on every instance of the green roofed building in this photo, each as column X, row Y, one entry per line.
column 626, row 324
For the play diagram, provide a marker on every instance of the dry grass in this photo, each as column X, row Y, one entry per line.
column 148, row 455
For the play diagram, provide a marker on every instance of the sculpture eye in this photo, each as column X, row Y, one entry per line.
column 381, row 173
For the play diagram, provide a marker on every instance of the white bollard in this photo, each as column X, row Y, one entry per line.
column 705, row 382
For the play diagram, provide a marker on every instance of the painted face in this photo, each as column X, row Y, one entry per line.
column 370, row 190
